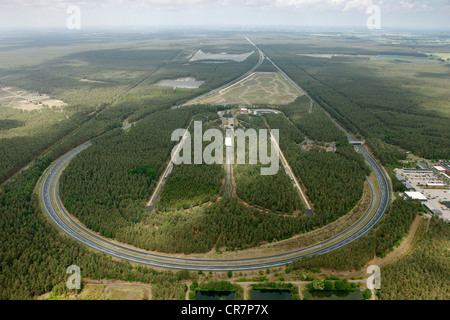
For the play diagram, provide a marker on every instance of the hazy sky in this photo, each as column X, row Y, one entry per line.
column 418, row 14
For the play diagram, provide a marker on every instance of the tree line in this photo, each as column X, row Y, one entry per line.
column 378, row 242
column 334, row 182
column 398, row 117
column 34, row 255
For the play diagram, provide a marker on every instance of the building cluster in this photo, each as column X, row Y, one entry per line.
column 426, row 180
column 443, row 167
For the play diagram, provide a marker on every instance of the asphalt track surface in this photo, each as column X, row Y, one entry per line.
column 49, row 194
column 55, row 211
column 228, row 186
column 229, row 159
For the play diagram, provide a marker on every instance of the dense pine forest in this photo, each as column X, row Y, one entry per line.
column 316, row 125
column 378, row 242
column 272, row 192
column 190, row 185
column 275, row 193
column 107, row 185
column 107, row 79
column 348, row 88
column 103, row 186
column 334, row 181
column 34, row 255
column 423, row 275
column 101, row 88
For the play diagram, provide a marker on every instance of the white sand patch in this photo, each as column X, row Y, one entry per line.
column 91, row 81
column 200, row 55
column 11, row 97
column 185, row 83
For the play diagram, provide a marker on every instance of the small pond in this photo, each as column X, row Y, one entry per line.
column 215, row 295
column 333, row 295
column 270, row 294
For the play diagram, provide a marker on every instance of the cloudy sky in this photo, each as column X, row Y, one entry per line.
column 417, row 14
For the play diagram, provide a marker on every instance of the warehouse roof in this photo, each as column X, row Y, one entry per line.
column 409, row 170
column 416, row 196
column 409, row 186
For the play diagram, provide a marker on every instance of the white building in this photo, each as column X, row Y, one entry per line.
column 228, row 142
column 244, row 110
column 416, row 196
column 435, row 185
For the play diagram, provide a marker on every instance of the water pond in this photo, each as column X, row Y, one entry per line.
column 333, row 295
column 215, row 295
column 270, row 294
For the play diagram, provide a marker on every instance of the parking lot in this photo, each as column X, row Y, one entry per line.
column 435, row 196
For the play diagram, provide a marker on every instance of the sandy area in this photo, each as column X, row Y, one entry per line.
column 185, row 83
column 21, row 99
column 200, row 55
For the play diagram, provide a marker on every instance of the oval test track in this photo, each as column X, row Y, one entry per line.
column 49, row 195
column 55, row 211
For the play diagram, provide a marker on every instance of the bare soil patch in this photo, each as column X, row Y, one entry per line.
column 200, row 55
column 11, row 97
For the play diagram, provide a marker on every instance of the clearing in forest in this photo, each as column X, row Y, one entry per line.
column 258, row 88
column 20, row 99
column 184, row 83
column 201, row 56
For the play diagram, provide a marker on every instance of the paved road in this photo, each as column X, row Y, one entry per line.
column 55, row 211
column 157, row 192
column 230, row 84
column 291, row 175
column 229, row 155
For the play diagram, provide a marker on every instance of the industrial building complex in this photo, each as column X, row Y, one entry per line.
column 430, row 186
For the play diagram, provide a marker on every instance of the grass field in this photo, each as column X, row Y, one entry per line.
column 98, row 290
column 259, row 88
column 123, row 293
